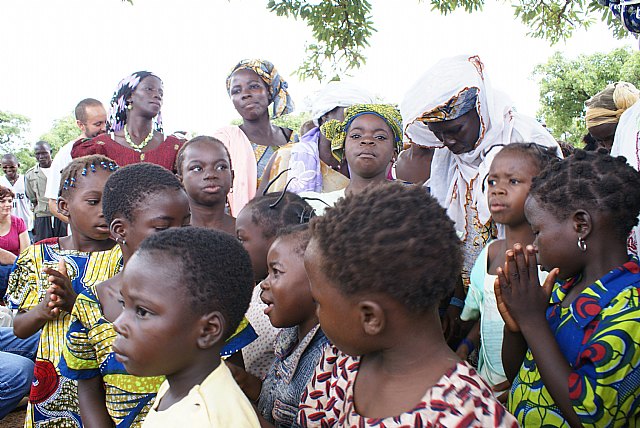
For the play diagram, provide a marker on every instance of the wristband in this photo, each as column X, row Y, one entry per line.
column 469, row 344
column 459, row 303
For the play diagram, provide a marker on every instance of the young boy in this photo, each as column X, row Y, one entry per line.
column 184, row 292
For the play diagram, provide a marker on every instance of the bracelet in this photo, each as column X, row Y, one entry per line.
column 470, row 344
column 459, row 303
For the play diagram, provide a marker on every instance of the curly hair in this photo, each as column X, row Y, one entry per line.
column 214, row 269
column 199, row 139
column 130, row 186
column 591, row 180
column 393, row 239
column 540, row 155
column 275, row 210
column 80, row 167
column 6, row 192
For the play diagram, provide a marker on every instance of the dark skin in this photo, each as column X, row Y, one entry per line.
column 207, row 177
column 604, row 134
column 324, row 145
column 146, row 102
column 414, row 164
column 523, row 303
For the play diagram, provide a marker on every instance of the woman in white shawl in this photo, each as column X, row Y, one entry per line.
column 454, row 109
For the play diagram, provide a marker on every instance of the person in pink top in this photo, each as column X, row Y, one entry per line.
column 14, row 236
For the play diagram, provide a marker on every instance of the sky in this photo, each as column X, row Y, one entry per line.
column 57, row 52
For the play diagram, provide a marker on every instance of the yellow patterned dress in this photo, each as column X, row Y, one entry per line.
column 53, row 400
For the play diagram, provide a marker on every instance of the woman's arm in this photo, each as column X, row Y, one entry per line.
column 25, row 241
column 7, row 257
column 92, row 399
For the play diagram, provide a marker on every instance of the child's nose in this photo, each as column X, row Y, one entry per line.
column 119, row 325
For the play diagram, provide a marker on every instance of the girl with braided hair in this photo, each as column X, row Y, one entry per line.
column 48, row 277
column 572, row 346
column 134, row 127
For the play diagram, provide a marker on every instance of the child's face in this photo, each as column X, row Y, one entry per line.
column 508, row 184
column 10, row 169
column 154, row 336
column 338, row 313
column 159, row 211
column 83, row 204
column 286, row 290
column 206, row 173
column 555, row 239
column 254, row 241
column 369, row 146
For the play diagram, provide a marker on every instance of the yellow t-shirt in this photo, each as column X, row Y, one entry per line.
column 217, row 402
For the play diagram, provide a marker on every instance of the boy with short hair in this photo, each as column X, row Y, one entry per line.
column 184, row 292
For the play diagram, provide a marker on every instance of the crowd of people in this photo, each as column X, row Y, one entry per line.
column 445, row 262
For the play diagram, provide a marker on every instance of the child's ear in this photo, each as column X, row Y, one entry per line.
column 118, row 229
column 63, row 206
column 582, row 223
column 372, row 317
column 211, row 331
column 180, row 177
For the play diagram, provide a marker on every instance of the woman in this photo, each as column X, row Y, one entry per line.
column 14, row 237
column 604, row 110
column 454, row 109
column 253, row 86
column 134, row 127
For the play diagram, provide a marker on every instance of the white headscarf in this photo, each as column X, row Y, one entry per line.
column 338, row 94
column 453, row 177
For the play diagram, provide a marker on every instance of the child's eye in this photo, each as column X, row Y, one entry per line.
column 381, row 137
column 514, row 181
column 195, row 168
column 491, row 183
column 121, row 301
column 93, row 201
column 141, row 312
column 354, row 136
column 222, row 167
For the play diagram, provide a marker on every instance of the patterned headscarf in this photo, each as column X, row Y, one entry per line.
column 278, row 95
column 608, row 105
column 336, row 131
column 453, row 108
column 118, row 108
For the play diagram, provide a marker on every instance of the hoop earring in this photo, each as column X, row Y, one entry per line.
column 582, row 245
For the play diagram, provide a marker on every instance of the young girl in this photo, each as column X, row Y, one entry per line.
column 299, row 343
column 204, row 167
column 256, row 227
column 139, row 200
column 44, row 295
column 572, row 348
column 370, row 137
column 377, row 272
column 510, row 176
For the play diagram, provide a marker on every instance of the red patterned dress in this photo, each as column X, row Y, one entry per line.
column 460, row 399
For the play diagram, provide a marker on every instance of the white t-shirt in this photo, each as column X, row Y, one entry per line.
column 21, row 204
column 60, row 161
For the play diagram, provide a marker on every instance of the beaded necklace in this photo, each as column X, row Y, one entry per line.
column 143, row 143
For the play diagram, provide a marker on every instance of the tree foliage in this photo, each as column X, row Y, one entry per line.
column 565, row 84
column 12, row 128
column 62, row 131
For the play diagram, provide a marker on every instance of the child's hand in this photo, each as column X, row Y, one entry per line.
column 249, row 384
column 511, row 324
column 503, row 388
column 47, row 308
column 62, row 294
column 520, row 289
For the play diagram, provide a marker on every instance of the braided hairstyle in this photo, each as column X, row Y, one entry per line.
column 128, row 188
column 591, row 180
column 540, row 155
column 276, row 210
column 298, row 234
column 393, row 239
column 199, row 139
column 80, row 167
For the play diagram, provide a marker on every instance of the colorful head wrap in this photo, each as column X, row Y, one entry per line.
column 282, row 101
column 455, row 107
column 118, row 108
column 608, row 105
column 336, row 131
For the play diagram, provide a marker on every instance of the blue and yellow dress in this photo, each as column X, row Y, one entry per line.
column 53, row 400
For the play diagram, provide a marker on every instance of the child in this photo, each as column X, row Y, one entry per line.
column 572, row 348
column 299, row 343
column 510, row 176
column 256, row 228
column 45, row 296
column 204, row 167
column 184, row 291
column 139, row 200
column 378, row 264
column 370, row 137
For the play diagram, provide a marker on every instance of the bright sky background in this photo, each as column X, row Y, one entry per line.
column 57, row 52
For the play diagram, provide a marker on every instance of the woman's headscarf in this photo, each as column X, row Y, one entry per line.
column 278, row 94
column 446, row 91
column 608, row 105
column 336, row 132
column 338, row 94
column 118, row 108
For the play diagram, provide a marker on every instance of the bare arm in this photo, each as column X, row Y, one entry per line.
column 7, row 257
column 27, row 323
column 92, row 399
column 24, row 240
column 53, row 207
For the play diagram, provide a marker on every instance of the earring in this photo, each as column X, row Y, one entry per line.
column 130, row 106
column 231, row 190
column 582, row 245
